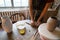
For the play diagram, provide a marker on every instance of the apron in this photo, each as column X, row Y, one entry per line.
column 38, row 6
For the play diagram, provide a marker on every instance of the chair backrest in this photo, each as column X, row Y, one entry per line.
column 17, row 16
column 14, row 15
column 6, row 13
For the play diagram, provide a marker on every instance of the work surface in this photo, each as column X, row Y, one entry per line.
column 30, row 31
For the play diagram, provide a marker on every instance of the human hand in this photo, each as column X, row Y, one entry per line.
column 38, row 23
column 33, row 23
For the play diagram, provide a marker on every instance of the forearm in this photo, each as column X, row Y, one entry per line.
column 44, row 11
column 31, row 9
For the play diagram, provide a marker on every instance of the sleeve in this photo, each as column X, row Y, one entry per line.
column 49, row 1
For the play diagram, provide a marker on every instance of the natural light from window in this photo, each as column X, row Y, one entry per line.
column 24, row 3
column 8, row 3
column 13, row 3
column 17, row 3
column 1, row 3
column 5, row 3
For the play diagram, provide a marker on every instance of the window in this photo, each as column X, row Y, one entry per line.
column 16, row 3
column 13, row 3
column 24, row 2
column 1, row 3
column 5, row 3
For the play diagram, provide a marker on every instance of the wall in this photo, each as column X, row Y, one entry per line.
column 58, row 2
column 58, row 16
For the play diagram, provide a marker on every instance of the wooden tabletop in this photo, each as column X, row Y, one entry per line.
column 30, row 31
column 55, row 35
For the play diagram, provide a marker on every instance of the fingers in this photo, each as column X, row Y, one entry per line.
column 35, row 24
column 38, row 23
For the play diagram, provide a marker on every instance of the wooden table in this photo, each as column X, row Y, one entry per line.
column 46, row 35
column 15, row 34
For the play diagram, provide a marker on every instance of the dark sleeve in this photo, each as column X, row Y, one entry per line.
column 49, row 1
